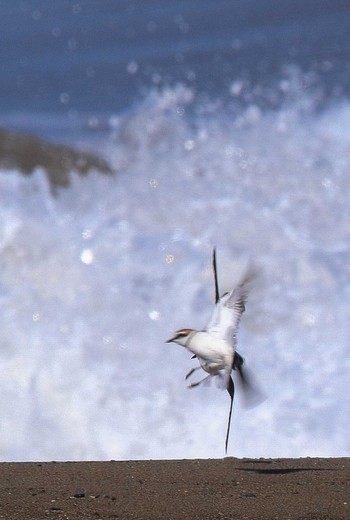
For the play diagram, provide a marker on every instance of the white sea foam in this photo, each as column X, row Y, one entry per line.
column 93, row 282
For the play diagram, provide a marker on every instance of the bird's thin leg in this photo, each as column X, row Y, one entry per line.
column 192, row 385
column 191, row 372
column 231, row 391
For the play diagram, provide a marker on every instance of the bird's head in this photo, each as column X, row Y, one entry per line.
column 181, row 337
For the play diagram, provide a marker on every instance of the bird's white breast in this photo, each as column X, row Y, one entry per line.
column 215, row 352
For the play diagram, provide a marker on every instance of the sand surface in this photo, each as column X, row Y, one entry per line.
column 307, row 488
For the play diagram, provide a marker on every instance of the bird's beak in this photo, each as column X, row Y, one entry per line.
column 170, row 340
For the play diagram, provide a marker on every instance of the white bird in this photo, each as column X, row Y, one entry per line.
column 215, row 346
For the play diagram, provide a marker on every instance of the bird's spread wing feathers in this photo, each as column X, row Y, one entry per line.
column 229, row 309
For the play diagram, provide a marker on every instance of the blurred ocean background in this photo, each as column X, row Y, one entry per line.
column 198, row 123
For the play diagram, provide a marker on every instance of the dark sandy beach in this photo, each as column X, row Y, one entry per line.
column 307, row 488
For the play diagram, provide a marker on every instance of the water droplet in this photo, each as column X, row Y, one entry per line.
column 154, row 315
column 153, row 183
column 132, row 67
column 87, row 233
column 64, row 98
column 189, row 144
column 87, row 256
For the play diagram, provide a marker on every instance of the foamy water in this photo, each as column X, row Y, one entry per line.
column 95, row 280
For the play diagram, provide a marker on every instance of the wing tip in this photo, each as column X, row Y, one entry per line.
column 215, row 271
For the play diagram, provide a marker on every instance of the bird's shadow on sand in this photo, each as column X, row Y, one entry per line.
column 282, row 471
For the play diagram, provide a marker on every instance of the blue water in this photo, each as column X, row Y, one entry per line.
column 227, row 126
column 68, row 65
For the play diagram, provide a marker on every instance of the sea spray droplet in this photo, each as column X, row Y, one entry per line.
column 87, row 233
column 87, row 256
column 132, row 67
column 154, row 315
column 153, row 183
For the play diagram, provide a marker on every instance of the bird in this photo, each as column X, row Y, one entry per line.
column 215, row 345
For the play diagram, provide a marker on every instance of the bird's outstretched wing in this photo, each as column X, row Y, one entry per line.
column 216, row 283
column 229, row 309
